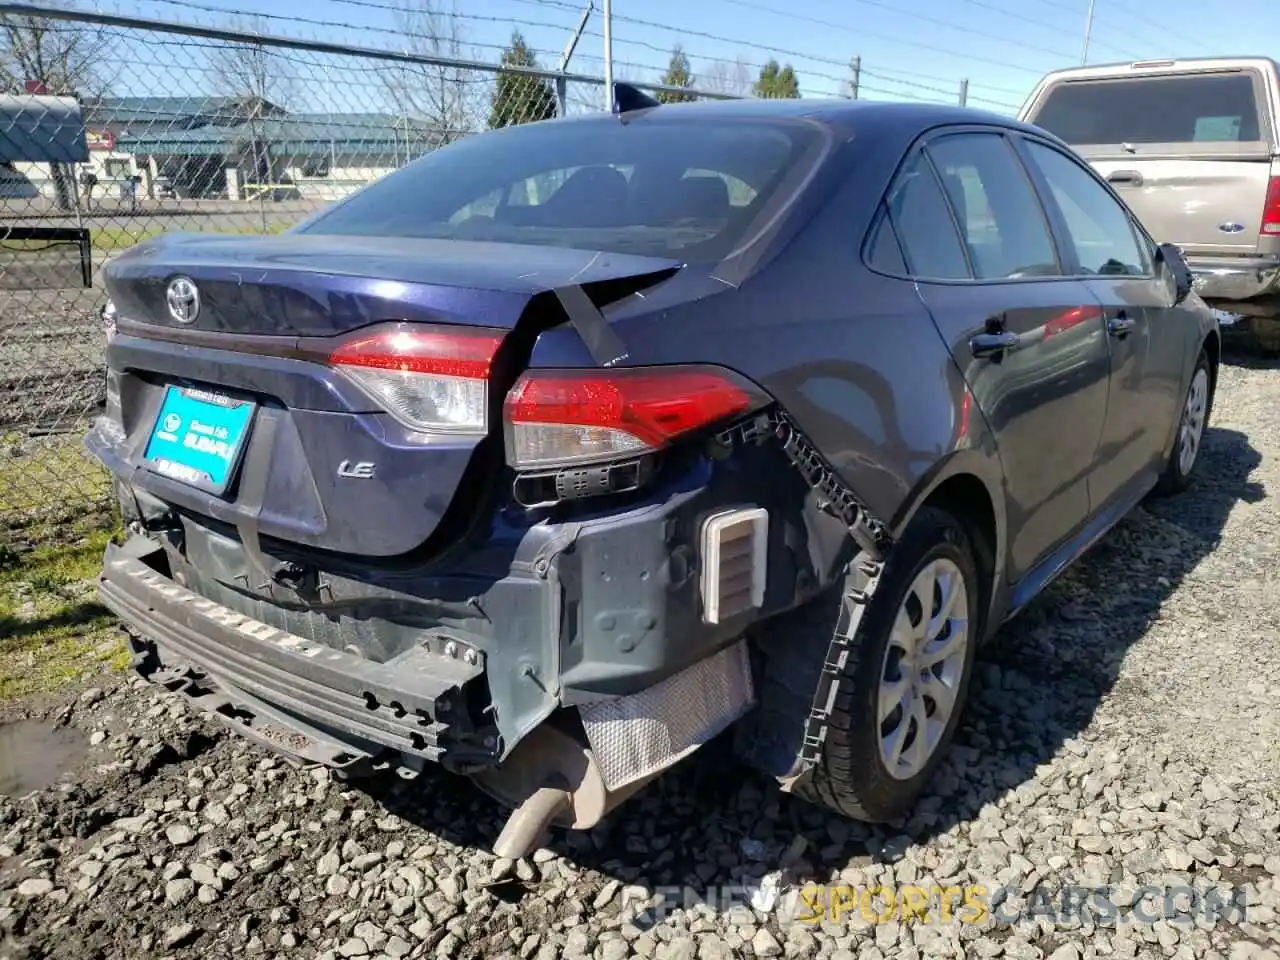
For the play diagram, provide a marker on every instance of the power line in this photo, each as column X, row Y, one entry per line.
column 799, row 54
column 1039, row 23
column 1152, row 21
column 860, row 31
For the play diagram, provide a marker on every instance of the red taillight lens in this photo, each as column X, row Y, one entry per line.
column 1271, row 212
column 433, row 379
column 580, row 416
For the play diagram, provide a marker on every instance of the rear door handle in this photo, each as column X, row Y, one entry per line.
column 992, row 344
column 1120, row 324
column 1125, row 176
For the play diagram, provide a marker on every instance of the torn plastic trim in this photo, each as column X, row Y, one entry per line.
column 860, row 586
column 862, row 574
column 834, row 497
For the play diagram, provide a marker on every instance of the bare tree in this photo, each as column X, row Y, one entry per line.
column 733, row 79
column 259, row 80
column 58, row 58
column 449, row 98
column 252, row 71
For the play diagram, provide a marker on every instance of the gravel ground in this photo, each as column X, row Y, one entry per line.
column 1124, row 732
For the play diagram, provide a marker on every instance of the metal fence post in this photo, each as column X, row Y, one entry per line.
column 964, row 92
column 855, row 70
column 608, row 55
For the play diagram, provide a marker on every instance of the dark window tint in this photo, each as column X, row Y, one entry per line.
column 998, row 210
column 1100, row 229
column 885, row 253
column 1210, row 108
column 652, row 186
column 924, row 225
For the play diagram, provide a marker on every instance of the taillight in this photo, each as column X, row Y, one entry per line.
column 1271, row 212
column 433, row 379
column 567, row 417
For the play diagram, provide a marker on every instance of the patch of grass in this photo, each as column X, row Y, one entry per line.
column 52, row 629
column 48, row 474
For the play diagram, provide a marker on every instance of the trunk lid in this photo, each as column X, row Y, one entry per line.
column 239, row 413
column 317, row 286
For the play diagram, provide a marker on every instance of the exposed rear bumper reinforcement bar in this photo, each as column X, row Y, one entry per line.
column 299, row 697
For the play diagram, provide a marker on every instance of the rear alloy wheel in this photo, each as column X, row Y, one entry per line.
column 924, row 661
column 906, row 678
column 1193, row 420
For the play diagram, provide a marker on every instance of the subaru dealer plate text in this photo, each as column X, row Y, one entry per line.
column 198, row 437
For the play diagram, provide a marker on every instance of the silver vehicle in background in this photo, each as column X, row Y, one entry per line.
column 1192, row 147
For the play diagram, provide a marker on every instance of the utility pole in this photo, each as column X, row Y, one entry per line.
column 1088, row 29
column 964, row 92
column 608, row 55
column 855, row 77
column 562, row 85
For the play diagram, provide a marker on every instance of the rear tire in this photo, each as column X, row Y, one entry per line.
column 857, row 775
column 1193, row 421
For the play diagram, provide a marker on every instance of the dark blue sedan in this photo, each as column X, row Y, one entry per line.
column 570, row 446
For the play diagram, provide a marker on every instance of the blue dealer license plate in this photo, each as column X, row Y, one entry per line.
column 198, row 437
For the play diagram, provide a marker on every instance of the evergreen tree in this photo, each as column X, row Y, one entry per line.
column 678, row 75
column 517, row 97
column 777, row 83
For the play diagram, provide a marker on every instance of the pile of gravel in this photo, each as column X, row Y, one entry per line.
column 1122, row 734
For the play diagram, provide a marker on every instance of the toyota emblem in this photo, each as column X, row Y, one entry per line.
column 183, row 299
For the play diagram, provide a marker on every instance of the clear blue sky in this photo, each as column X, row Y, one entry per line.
column 912, row 49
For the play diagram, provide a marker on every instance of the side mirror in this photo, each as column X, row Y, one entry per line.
column 1170, row 257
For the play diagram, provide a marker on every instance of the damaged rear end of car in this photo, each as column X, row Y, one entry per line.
column 399, row 498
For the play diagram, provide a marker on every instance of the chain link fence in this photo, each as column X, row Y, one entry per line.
column 118, row 129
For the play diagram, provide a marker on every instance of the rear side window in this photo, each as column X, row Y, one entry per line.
column 924, row 225
column 885, row 254
column 1003, row 223
column 1100, row 228
column 651, row 187
column 1205, row 108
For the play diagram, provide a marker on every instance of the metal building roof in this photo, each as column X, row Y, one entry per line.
column 40, row 129
column 290, row 135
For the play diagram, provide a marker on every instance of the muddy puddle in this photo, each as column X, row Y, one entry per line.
column 35, row 755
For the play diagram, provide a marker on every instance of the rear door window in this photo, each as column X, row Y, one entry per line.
column 1189, row 109
column 999, row 213
column 1100, row 229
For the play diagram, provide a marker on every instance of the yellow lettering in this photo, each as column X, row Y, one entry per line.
column 915, row 904
column 843, row 899
column 975, row 899
column 865, row 905
column 946, row 900
column 813, row 896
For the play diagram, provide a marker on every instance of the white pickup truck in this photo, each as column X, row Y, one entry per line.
column 1192, row 147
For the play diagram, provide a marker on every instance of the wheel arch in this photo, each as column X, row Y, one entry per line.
column 968, row 486
column 1213, row 347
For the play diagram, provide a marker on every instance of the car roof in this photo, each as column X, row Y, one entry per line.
column 862, row 114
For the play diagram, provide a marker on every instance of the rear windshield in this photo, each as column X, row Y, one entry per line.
column 1209, row 108
column 658, row 188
